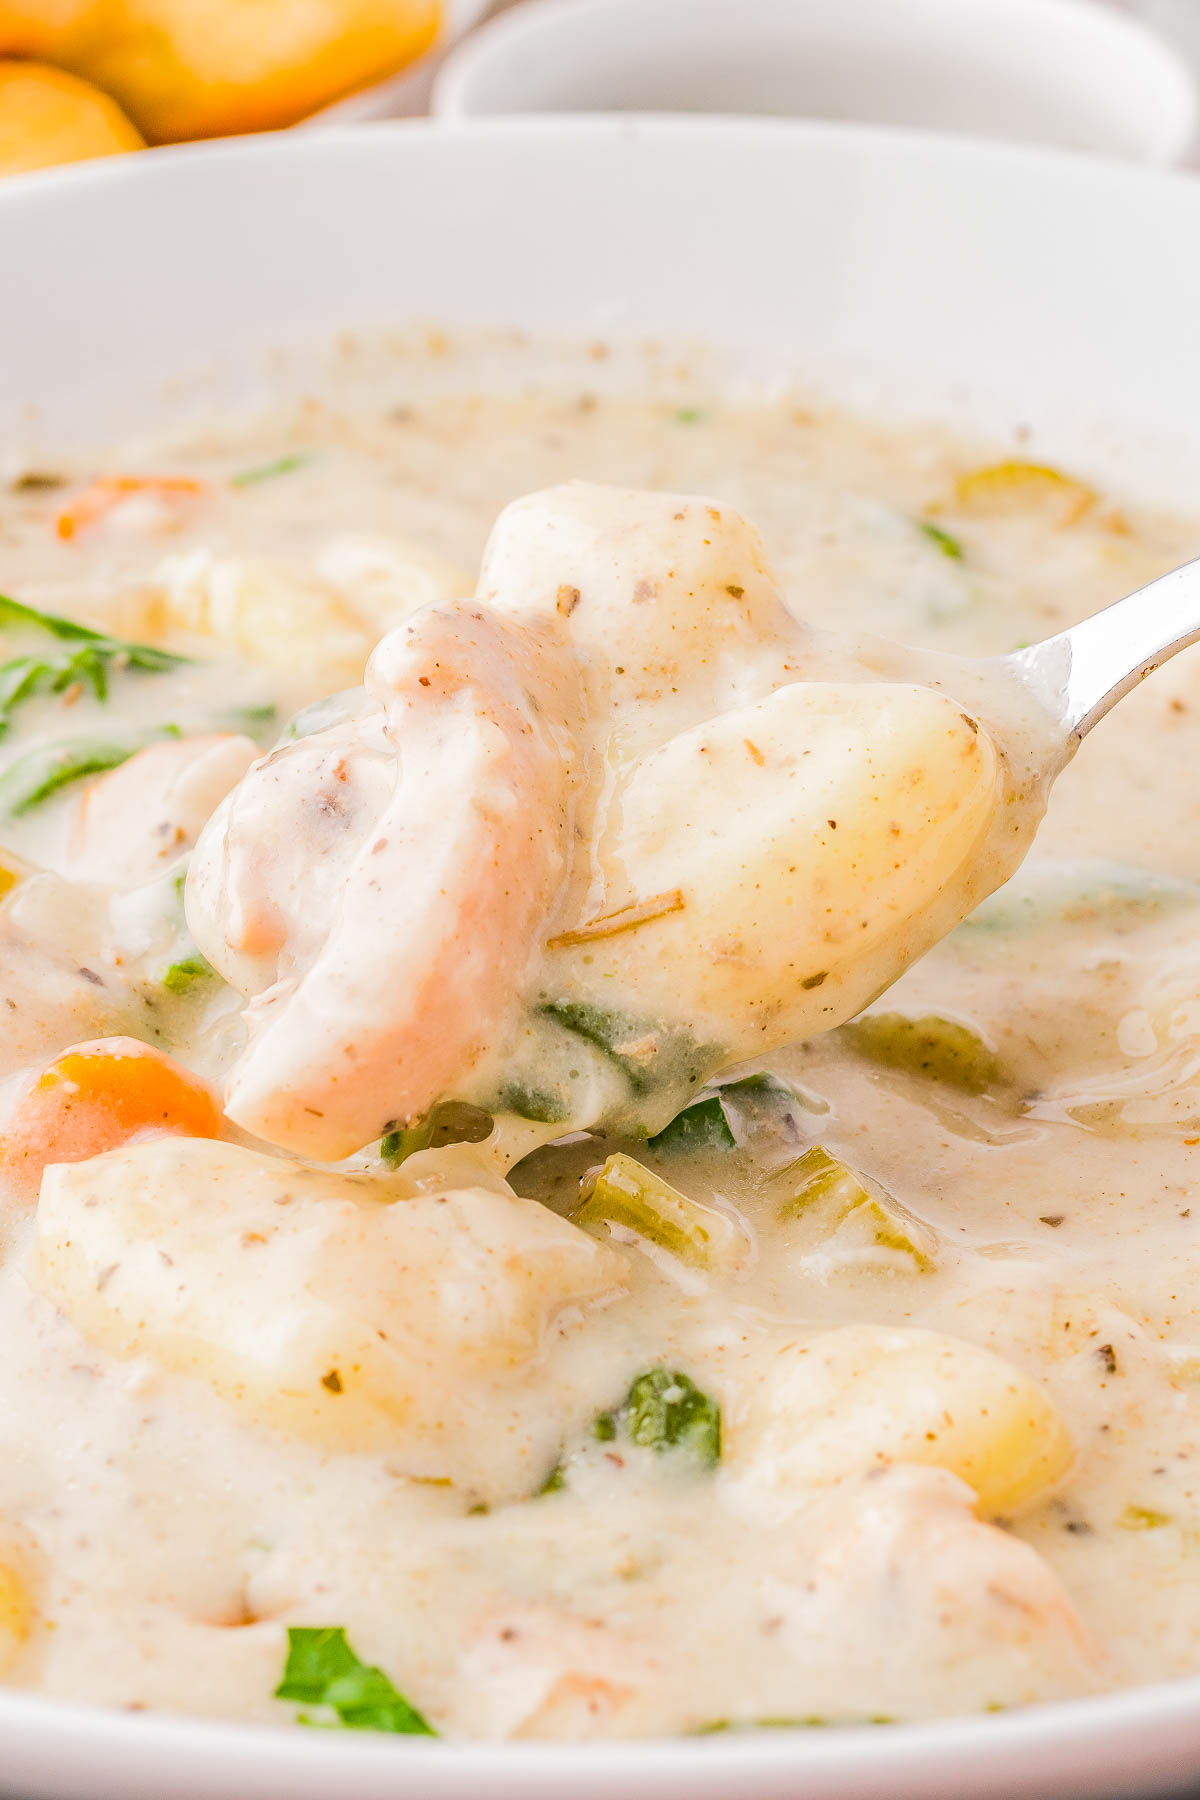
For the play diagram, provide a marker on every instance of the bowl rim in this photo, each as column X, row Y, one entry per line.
column 1084, row 1744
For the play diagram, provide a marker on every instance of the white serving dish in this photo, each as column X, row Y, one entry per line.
column 1068, row 72
column 969, row 281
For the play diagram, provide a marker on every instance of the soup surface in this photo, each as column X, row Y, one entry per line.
column 858, row 1381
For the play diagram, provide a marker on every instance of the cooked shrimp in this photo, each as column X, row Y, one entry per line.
column 380, row 887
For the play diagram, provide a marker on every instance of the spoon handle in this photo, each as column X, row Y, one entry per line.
column 1098, row 662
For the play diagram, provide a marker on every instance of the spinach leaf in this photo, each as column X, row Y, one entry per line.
column 91, row 661
column 33, row 779
column 322, row 1670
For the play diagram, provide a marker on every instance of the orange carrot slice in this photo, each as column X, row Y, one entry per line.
column 97, row 1096
column 109, row 490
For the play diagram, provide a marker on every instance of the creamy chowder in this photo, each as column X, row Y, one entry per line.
column 469, row 1263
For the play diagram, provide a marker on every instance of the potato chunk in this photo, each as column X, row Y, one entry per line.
column 312, row 1305
column 812, row 838
column 866, row 1396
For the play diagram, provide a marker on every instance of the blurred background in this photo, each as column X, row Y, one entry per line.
column 91, row 78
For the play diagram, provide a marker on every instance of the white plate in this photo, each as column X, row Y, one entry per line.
column 1008, row 286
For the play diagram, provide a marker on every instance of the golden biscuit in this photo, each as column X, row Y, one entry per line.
column 48, row 116
column 205, row 68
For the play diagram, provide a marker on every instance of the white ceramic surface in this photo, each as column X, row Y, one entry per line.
column 1066, row 72
column 1006, row 285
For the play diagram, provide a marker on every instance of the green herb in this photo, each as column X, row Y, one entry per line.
column 665, row 1410
column 322, row 1670
column 946, row 543
column 616, row 1033
column 701, row 1126
column 753, row 1103
column 539, row 1104
column 688, row 415
column 282, row 465
column 254, row 721
column 183, row 975
column 556, row 1480
column 91, row 663
column 650, row 1054
column 32, row 780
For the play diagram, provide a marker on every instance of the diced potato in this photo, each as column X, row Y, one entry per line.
column 386, row 580
column 320, row 620
column 865, row 1396
column 270, row 611
column 1014, row 487
column 816, row 840
column 668, row 598
column 624, row 1193
column 317, row 1307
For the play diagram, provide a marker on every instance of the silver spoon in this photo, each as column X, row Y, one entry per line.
column 1097, row 662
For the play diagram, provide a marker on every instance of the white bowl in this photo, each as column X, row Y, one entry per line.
column 1003, row 285
column 1066, row 72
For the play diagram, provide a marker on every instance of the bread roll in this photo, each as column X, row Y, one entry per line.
column 48, row 116
column 205, row 68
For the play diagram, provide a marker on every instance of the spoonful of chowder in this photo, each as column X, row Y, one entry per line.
column 615, row 823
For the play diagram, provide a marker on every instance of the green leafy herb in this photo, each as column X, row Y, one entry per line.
column 721, row 1118
column 92, row 660
column 556, row 1480
column 33, row 779
column 701, row 1126
column 945, row 541
column 282, row 465
column 183, row 975
column 539, row 1104
column 688, row 415
column 665, row 1410
column 322, row 1670
column 255, row 721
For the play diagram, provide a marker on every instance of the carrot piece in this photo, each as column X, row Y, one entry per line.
column 109, row 490
column 95, row 1097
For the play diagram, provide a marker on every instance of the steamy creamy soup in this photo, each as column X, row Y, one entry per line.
column 493, row 1242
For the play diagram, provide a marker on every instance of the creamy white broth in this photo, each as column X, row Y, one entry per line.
column 166, row 1519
